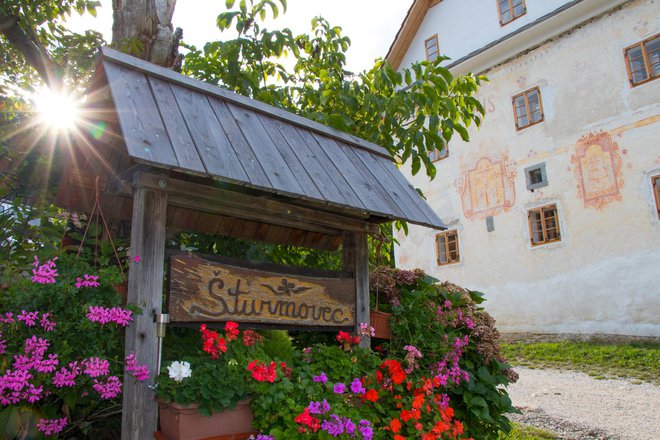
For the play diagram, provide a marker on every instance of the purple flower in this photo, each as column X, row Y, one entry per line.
column 349, row 426
column 265, row 437
column 322, row 378
column 364, row 426
column 339, row 388
column 356, row 387
column 334, row 427
column 319, row 407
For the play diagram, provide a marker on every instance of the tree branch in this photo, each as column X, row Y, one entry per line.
column 35, row 54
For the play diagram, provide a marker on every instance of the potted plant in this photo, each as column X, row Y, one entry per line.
column 208, row 394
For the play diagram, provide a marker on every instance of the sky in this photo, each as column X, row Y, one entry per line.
column 370, row 24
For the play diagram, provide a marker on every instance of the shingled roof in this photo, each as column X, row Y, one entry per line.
column 170, row 121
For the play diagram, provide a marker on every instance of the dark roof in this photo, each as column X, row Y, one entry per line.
column 171, row 121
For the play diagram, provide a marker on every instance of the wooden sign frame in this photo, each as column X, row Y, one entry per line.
column 211, row 289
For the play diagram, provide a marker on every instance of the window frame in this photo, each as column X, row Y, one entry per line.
column 542, row 210
column 524, row 94
column 446, row 235
column 655, row 184
column 544, row 176
column 437, row 47
column 645, row 57
column 442, row 154
column 511, row 9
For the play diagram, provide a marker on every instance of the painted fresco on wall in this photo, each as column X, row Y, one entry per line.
column 597, row 168
column 488, row 188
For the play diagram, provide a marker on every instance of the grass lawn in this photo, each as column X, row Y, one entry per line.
column 638, row 361
column 521, row 432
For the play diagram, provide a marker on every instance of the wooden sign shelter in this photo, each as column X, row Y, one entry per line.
column 223, row 290
column 176, row 154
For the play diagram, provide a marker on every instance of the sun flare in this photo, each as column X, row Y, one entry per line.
column 59, row 111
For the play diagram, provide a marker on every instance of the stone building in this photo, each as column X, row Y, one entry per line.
column 553, row 207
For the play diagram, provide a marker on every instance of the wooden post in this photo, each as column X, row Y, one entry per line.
column 145, row 289
column 356, row 259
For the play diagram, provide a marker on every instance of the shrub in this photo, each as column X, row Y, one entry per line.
column 458, row 343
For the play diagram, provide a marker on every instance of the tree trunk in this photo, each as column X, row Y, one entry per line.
column 149, row 24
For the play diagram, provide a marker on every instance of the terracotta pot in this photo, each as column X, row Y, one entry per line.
column 122, row 290
column 380, row 321
column 184, row 422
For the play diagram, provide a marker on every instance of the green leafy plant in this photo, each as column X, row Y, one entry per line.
column 216, row 376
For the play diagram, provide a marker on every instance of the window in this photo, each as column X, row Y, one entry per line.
column 643, row 61
column 510, row 10
column 656, row 191
column 543, row 225
column 446, row 244
column 432, row 49
column 536, row 177
column 527, row 108
column 436, row 155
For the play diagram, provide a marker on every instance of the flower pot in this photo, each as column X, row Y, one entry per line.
column 184, row 422
column 380, row 321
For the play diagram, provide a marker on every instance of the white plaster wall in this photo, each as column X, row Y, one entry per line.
column 604, row 274
column 467, row 25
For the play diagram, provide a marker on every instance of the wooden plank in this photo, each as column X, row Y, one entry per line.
column 202, row 290
column 177, row 130
column 251, row 162
column 392, row 207
column 256, row 208
column 347, row 196
column 145, row 290
column 424, row 210
column 112, row 56
column 212, row 144
column 274, row 127
column 142, row 127
column 279, row 174
column 317, row 173
column 363, row 188
column 356, row 258
column 393, row 189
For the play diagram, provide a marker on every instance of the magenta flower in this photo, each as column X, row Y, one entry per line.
column 46, row 323
column 105, row 315
column 136, row 258
column 95, row 367
column 88, row 281
column 140, row 372
column 51, row 426
column 7, row 318
column 66, row 377
column 109, row 389
column 45, row 273
column 29, row 318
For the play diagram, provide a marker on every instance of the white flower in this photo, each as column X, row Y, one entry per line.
column 179, row 370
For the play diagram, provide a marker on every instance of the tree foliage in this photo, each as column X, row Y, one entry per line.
column 409, row 113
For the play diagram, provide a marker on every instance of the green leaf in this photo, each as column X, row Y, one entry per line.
column 229, row 3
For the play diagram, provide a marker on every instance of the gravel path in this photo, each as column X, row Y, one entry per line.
column 577, row 407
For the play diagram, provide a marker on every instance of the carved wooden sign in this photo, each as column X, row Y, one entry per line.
column 204, row 290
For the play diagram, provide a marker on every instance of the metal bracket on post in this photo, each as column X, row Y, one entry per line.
column 162, row 319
